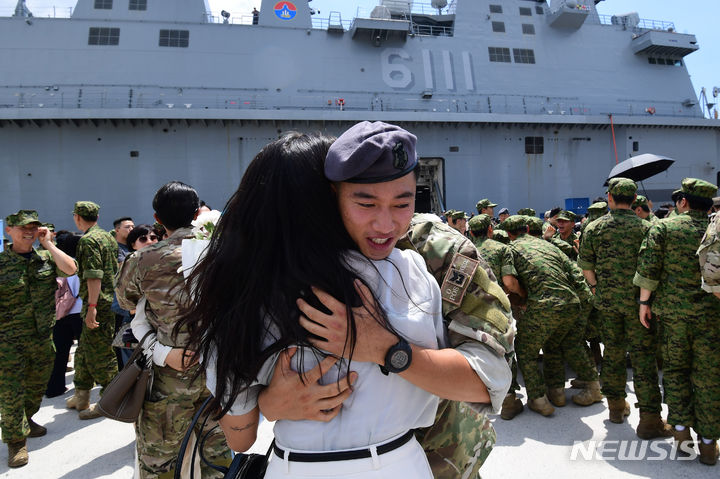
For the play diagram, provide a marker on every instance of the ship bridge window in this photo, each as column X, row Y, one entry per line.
column 525, row 11
column 498, row 54
column 495, row 8
column 528, row 28
column 498, row 27
column 137, row 5
column 665, row 61
column 174, row 38
column 523, row 55
column 534, row 145
column 103, row 4
column 539, row 10
column 104, row 36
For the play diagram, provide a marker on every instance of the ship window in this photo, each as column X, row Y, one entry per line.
column 498, row 54
column 104, row 36
column 525, row 11
column 498, row 27
column 137, row 5
column 534, row 145
column 539, row 10
column 652, row 61
column 174, row 38
column 103, row 5
column 528, row 29
column 661, row 61
column 495, row 8
column 523, row 55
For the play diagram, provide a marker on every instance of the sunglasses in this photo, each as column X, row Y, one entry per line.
column 146, row 238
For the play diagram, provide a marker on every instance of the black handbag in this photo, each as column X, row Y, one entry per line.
column 243, row 466
column 123, row 398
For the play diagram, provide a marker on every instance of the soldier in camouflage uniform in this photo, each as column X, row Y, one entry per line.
column 527, row 212
column 487, row 207
column 565, row 238
column 555, row 289
column 458, row 221
column 667, row 266
column 95, row 361
column 177, row 390
column 27, row 315
column 608, row 254
column 641, row 206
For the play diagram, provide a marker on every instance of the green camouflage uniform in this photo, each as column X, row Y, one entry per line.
column 95, row 361
column 709, row 253
column 609, row 248
column 27, row 315
column 555, row 288
column 668, row 266
column 593, row 332
column 476, row 312
column 175, row 398
column 497, row 255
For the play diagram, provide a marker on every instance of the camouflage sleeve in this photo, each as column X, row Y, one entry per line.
column 577, row 279
column 650, row 258
column 562, row 246
column 90, row 260
column 508, row 264
column 586, row 254
column 128, row 287
column 494, row 371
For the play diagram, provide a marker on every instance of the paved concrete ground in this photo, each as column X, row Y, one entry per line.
column 528, row 446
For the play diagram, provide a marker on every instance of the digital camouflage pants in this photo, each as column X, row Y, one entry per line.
column 691, row 373
column 95, row 361
column 624, row 333
column 25, row 366
column 165, row 418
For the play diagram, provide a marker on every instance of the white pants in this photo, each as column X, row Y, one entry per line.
column 407, row 462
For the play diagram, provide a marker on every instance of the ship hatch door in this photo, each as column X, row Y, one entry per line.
column 430, row 197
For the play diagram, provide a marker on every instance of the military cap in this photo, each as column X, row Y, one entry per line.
column 501, row 236
column 535, row 224
column 22, row 218
column 639, row 201
column 480, row 222
column 458, row 215
column 599, row 206
column 448, row 212
column 622, row 187
column 527, row 212
column 49, row 226
column 698, row 188
column 676, row 195
column 515, row 222
column 484, row 203
column 566, row 215
column 371, row 153
column 716, row 201
column 504, row 211
column 86, row 208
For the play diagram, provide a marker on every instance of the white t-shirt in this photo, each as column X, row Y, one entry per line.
column 380, row 407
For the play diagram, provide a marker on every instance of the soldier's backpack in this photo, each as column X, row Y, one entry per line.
column 709, row 256
column 64, row 298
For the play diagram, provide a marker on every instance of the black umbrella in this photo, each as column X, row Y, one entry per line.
column 640, row 167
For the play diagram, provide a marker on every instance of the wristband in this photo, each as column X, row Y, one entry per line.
column 92, row 305
column 645, row 302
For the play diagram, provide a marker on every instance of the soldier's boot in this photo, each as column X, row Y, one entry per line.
column 578, row 384
column 709, row 452
column 590, row 395
column 80, row 400
column 511, row 407
column 683, row 442
column 90, row 413
column 652, row 426
column 36, row 430
column 556, row 396
column 619, row 408
column 541, row 405
column 17, row 453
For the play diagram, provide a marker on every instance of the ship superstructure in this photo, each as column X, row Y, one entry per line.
column 526, row 102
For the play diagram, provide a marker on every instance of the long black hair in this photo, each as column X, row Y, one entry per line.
column 280, row 233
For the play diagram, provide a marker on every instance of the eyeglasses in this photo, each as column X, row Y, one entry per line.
column 146, row 238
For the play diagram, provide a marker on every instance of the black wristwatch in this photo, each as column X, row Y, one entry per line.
column 645, row 302
column 398, row 358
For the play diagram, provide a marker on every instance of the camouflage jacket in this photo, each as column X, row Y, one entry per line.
column 709, row 254
column 548, row 275
column 153, row 272
column 609, row 248
column 97, row 254
column 668, row 266
column 497, row 255
column 567, row 246
column 27, row 294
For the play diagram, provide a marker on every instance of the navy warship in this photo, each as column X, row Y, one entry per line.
column 527, row 102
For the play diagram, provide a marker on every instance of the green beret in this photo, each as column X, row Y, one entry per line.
column 600, row 206
column 480, row 222
column 484, row 203
column 22, row 218
column 458, row 215
column 639, row 201
column 515, row 222
column 622, row 187
column 566, row 215
column 698, row 188
column 86, row 208
column 527, row 212
column 535, row 224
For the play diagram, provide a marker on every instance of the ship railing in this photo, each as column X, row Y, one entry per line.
column 324, row 23
column 242, row 19
column 645, row 24
column 416, row 7
column 431, row 30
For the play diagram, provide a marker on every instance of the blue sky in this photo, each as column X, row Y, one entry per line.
column 698, row 17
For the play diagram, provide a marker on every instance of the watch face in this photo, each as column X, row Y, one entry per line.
column 399, row 359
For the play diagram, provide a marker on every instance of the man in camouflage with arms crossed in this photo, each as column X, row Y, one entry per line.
column 27, row 315
column 668, row 267
column 608, row 254
column 95, row 361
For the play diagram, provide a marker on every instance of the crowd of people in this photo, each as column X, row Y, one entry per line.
column 381, row 348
